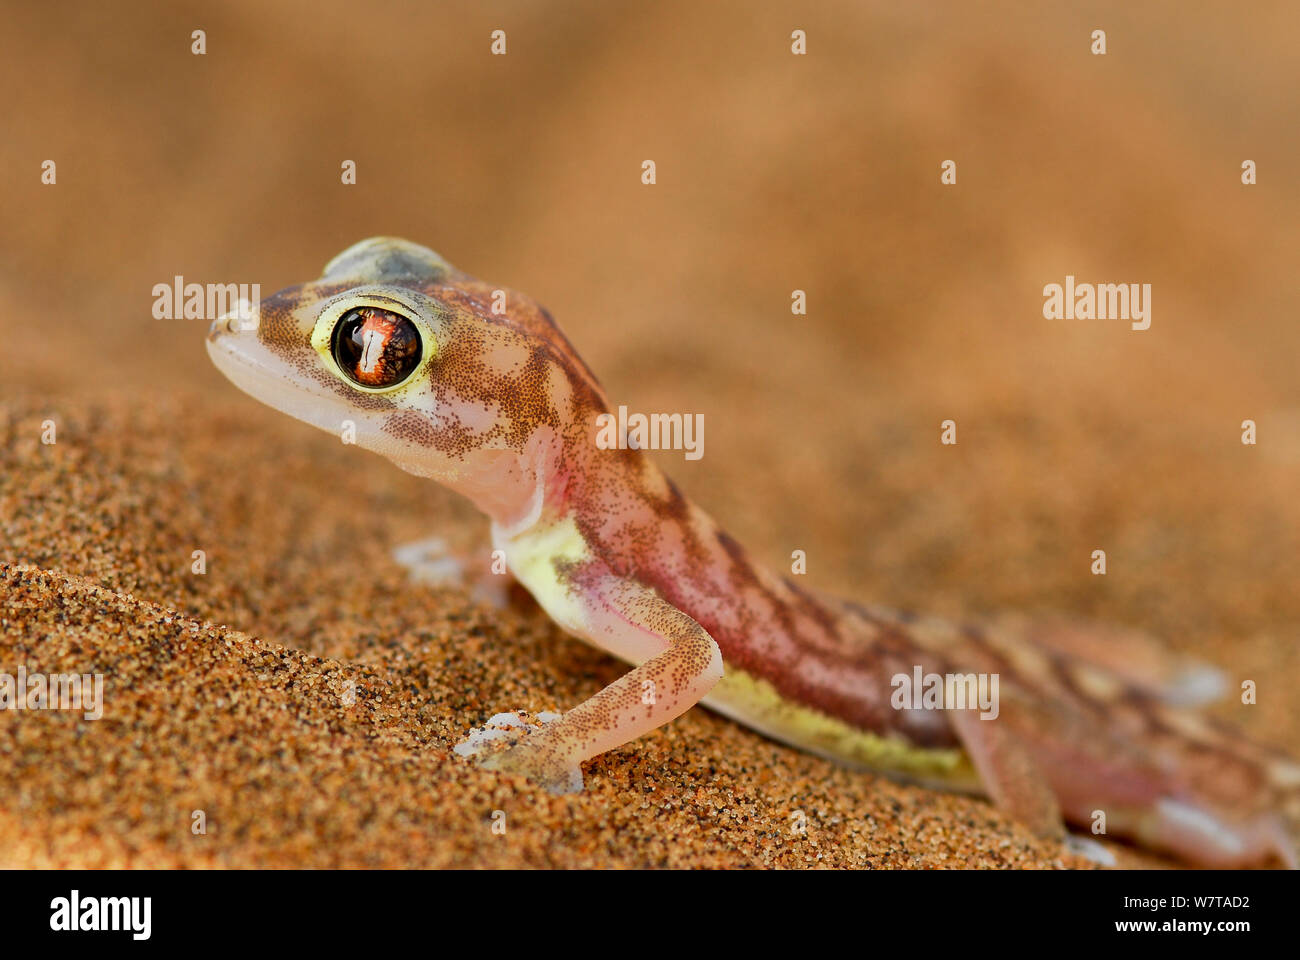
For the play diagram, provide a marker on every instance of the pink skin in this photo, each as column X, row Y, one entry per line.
column 504, row 411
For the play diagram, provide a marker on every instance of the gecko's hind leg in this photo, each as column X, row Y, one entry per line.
column 1018, row 785
column 1009, row 773
column 433, row 561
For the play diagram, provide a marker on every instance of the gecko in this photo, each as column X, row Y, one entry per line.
column 475, row 387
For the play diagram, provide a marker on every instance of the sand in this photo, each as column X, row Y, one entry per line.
column 225, row 691
column 253, row 730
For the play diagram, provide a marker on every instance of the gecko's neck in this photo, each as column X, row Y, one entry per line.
column 514, row 488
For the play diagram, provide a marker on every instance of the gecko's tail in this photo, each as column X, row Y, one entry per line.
column 1111, row 730
column 1096, row 726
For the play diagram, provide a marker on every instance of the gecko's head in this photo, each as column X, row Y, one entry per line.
column 395, row 350
column 350, row 352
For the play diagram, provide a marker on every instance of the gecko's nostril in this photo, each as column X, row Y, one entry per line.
column 240, row 320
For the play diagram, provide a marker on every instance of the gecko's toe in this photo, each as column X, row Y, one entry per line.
column 1089, row 849
column 523, row 754
column 430, row 561
column 500, row 726
column 540, row 766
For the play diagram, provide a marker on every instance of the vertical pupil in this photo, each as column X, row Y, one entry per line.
column 376, row 348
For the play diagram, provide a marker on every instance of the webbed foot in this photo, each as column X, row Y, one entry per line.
column 529, row 751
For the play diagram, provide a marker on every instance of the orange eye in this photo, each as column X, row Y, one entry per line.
column 375, row 348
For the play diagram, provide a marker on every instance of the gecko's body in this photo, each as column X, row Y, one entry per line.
column 499, row 407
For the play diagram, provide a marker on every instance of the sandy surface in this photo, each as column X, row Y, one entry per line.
column 225, row 691
column 254, row 731
column 821, row 174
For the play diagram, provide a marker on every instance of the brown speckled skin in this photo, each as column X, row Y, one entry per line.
column 507, row 415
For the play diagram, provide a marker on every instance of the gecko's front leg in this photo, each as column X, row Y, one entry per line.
column 625, row 617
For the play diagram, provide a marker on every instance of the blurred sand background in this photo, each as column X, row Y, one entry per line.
column 775, row 172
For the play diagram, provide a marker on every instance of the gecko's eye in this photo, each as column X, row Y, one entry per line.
column 375, row 348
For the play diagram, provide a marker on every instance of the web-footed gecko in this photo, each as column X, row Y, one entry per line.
column 499, row 407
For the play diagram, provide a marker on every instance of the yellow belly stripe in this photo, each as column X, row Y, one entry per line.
column 756, row 703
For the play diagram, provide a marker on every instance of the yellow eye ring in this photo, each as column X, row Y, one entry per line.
column 375, row 343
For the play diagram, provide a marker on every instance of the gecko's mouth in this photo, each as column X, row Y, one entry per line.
column 264, row 376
